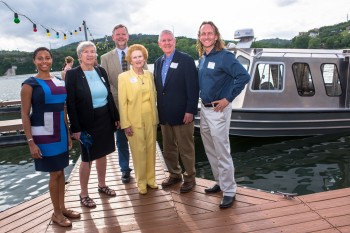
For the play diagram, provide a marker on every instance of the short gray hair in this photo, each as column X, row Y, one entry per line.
column 83, row 45
column 165, row 32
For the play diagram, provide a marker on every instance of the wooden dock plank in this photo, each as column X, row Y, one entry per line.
column 340, row 221
column 322, row 196
column 168, row 210
column 344, row 229
column 335, row 211
column 241, row 224
column 11, row 125
column 313, row 226
column 329, row 203
column 10, row 103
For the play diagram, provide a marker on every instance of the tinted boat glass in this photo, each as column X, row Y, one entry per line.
column 331, row 80
column 244, row 61
column 303, row 79
column 268, row 77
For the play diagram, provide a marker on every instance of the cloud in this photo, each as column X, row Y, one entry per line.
column 269, row 18
column 284, row 3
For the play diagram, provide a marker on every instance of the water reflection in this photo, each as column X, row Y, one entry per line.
column 301, row 165
column 19, row 181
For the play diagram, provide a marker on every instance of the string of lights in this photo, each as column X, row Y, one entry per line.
column 48, row 30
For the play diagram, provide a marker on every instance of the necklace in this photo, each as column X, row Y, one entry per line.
column 140, row 77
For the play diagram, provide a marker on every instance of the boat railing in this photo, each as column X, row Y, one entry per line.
column 10, row 103
column 312, row 53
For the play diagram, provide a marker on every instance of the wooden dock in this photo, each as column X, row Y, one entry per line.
column 10, row 103
column 10, row 106
column 166, row 210
column 11, row 125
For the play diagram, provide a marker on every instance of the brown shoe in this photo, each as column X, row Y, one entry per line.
column 170, row 181
column 187, row 186
column 64, row 222
column 71, row 213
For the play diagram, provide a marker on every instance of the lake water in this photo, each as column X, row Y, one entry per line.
column 302, row 165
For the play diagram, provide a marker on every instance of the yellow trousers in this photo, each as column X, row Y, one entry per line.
column 143, row 150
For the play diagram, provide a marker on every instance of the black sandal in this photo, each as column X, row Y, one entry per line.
column 106, row 190
column 87, row 202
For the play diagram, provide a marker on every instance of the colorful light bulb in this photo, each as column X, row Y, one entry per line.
column 57, row 35
column 34, row 28
column 16, row 19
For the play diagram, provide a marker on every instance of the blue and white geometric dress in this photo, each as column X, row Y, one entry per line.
column 47, row 123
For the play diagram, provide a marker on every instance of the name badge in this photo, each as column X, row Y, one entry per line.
column 174, row 65
column 211, row 65
column 133, row 80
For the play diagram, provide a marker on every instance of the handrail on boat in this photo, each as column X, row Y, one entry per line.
column 258, row 52
column 9, row 103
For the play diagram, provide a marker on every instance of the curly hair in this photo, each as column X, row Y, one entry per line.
column 136, row 47
column 219, row 44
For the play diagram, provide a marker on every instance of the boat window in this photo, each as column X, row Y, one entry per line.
column 331, row 79
column 244, row 61
column 268, row 77
column 303, row 79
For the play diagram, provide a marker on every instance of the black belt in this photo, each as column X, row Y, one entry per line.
column 210, row 105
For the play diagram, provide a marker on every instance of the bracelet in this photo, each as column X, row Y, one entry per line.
column 30, row 139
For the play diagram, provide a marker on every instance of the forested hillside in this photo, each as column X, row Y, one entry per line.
column 328, row 37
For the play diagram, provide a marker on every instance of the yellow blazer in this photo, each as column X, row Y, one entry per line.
column 130, row 98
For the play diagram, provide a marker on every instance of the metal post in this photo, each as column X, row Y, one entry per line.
column 107, row 43
column 85, row 31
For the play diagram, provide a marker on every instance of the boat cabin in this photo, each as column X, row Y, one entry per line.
column 292, row 92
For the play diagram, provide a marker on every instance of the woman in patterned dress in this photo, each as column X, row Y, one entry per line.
column 46, row 130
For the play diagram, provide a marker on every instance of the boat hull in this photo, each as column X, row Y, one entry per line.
column 287, row 122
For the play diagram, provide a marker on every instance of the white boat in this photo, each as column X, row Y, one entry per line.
column 292, row 92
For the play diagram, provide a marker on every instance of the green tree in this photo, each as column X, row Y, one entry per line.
column 301, row 42
column 314, row 43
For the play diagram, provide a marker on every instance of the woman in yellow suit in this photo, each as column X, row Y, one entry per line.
column 138, row 116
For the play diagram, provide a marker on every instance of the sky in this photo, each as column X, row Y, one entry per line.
column 269, row 19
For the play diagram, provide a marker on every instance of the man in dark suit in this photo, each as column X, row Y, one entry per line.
column 176, row 81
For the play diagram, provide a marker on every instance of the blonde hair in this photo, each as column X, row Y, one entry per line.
column 219, row 44
column 69, row 59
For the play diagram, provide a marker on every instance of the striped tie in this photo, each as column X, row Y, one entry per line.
column 124, row 63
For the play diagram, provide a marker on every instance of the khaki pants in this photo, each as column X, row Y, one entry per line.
column 178, row 143
column 214, row 127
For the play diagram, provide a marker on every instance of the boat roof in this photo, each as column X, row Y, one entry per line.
column 307, row 53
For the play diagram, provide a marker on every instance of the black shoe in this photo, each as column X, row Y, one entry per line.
column 125, row 177
column 227, row 201
column 214, row 189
